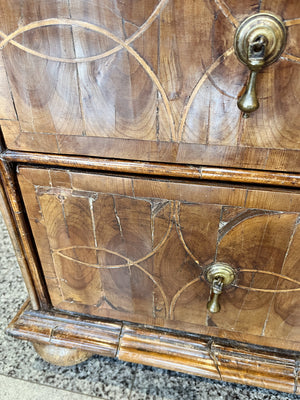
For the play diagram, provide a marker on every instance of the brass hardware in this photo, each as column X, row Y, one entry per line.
column 218, row 275
column 259, row 42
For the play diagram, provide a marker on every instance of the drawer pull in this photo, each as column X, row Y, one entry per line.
column 259, row 42
column 218, row 275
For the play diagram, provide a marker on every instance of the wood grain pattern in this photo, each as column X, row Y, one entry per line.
column 7, row 110
column 67, row 331
column 31, row 269
column 134, row 249
column 193, row 354
column 204, row 357
column 146, row 92
column 49, row 104
column 10, row 222
column 120, row 81
column 155, row 169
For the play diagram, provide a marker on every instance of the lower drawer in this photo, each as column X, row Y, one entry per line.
column 136, row 249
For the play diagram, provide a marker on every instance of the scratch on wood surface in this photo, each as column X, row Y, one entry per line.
column 52, row 333
column 117, row 217
column 91, row 203
column 153, row 305
column 214, row 357
column 10, row 91
column 152, row 227
column 156, row 207
column 50, row 179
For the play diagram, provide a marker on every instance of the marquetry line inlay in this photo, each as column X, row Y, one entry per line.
column 176, row 126
column 72, row 254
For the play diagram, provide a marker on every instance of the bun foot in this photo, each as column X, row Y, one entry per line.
column 61, row 356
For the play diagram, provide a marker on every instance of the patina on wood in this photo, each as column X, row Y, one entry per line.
column 140, row 82
column 144, row 173
column 135, row 249
column 201, row 355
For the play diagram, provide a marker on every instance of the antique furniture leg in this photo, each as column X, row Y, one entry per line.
column 61, row 356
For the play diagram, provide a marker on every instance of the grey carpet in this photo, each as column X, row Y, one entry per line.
column 101, row 377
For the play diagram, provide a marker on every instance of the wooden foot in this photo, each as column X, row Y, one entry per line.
column 61, row 356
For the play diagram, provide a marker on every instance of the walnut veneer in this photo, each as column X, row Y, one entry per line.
column 127, row 169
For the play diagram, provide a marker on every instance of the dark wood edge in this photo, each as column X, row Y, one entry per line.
column 17, row 242
column 157, row 169
column 54, row 328
column 16, row 220
column 189, row 353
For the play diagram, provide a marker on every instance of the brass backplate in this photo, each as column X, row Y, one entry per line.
column 222, row 270
column 263, row 24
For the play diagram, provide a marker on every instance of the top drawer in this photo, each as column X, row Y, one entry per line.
column 153, row 80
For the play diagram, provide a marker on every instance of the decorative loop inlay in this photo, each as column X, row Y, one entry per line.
column 176, row 127
column 174, row 223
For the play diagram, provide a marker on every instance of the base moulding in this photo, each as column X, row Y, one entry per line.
column 193, row 354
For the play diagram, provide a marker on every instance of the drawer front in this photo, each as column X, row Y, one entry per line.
column 135, row 249
column 156, row 81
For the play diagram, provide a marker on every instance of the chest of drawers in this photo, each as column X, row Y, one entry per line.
column 131, row 181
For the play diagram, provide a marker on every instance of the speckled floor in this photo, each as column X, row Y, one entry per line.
column 99, row 377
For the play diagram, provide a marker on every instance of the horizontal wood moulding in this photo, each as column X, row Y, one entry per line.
column 193, row 354
column 66, row 331
column 157, row 169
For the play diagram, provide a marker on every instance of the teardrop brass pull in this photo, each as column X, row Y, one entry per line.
column 218, row 275
column 259, row 41
column 217, row 287
column 248, row 102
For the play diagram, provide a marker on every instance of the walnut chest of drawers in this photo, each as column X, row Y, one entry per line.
column 131, row 180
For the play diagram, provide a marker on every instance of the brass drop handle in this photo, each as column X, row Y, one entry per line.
column 248, row 102
column 218, row 275
column 217, row 287
column 259, row 41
